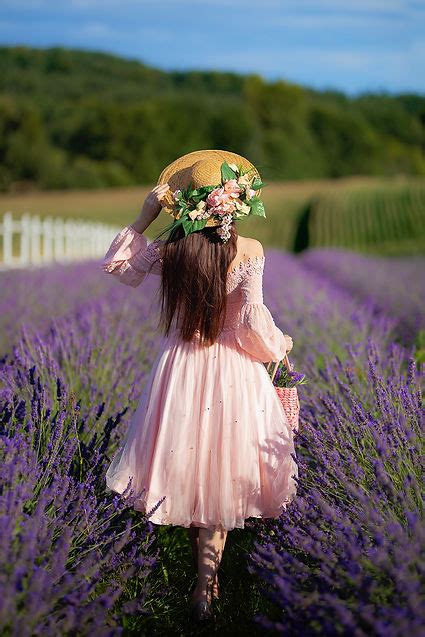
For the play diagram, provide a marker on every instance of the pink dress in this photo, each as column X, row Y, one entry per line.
column 209, row 432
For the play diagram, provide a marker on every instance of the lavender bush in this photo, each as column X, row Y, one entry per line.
column 343, row 560
column 33, row 296
column 346, row 558
column 68, row 548
column 392, row 286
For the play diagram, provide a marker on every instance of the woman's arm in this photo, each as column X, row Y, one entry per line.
column 129, row 256
column 151, row 208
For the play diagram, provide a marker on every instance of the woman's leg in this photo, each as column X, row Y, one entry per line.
column 211, row 547
column 194, row 541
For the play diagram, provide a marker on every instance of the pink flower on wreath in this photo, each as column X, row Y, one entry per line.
column 217, row 197
column 232, row 188
column 226, row 208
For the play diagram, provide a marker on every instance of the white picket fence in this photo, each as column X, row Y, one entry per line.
column 42, row 241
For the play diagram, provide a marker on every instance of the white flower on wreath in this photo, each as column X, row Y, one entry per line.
column 224, row 229
column 195, row 214
column 200, row 212
column 245, row 181
column 242, row 207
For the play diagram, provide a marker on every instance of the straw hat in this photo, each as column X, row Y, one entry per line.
column 202, row 168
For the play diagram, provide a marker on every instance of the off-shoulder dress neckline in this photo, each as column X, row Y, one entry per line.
column 256, row 258
column 245, row 263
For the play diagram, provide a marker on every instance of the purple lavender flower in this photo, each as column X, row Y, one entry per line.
column 343, row 558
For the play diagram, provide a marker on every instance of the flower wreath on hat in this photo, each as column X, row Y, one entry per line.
column 218, row 205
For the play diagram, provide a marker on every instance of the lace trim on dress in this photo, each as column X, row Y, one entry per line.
column 251, row 265
column 154, row 251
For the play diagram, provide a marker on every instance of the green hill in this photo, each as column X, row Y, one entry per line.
column 71, row 118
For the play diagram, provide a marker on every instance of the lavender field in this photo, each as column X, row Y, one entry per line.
column 347, row 556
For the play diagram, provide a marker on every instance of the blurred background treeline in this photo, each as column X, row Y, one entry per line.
column 77, row 119
column 86, row 134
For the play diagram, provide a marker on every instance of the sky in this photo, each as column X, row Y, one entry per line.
column 353, row 46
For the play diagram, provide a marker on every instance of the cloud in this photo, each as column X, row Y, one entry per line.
column 350, row 6
column 96, row 30
column 314, row 6
column 303, row 9
column 314, row 66
column 349, row 43
column 339, row 21
column 27, row 5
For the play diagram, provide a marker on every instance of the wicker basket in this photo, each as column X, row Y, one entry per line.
column 288, row 396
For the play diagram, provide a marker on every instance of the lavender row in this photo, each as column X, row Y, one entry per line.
column 393, row 286
column 70, row 550
column 345, row 559
column 33, row 296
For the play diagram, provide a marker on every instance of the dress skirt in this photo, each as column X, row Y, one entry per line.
column 210, row 436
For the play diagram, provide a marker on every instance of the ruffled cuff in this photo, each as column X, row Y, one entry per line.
column 258, row 334
column 124, row 257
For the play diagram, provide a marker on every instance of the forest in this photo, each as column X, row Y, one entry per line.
column 78, row 119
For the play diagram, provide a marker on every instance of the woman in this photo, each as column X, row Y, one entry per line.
column 209, row 435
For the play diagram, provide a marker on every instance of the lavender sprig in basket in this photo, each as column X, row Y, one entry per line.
column 285, row 381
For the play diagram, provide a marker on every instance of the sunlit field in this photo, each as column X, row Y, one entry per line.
column 337, row 212
column 76, row 559
column 76, row 347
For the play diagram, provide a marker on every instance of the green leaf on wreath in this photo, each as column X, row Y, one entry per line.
column 187, row 225
column 198, row 224
column 257, row 207
column 226, row 172
column 257, row 184
column 190, row 226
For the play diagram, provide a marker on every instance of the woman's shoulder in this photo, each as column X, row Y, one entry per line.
column 248, row 248
column 249, row 259
column 251, row 247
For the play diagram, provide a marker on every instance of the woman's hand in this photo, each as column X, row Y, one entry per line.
column 289, row 343
column 151, row 208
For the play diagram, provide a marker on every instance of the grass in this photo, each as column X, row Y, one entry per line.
column 174, row 579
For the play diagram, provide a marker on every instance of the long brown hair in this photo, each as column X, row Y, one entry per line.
column 193, row 282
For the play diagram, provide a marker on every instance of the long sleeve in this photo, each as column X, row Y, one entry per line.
column 257, row 332
column 130, row 257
